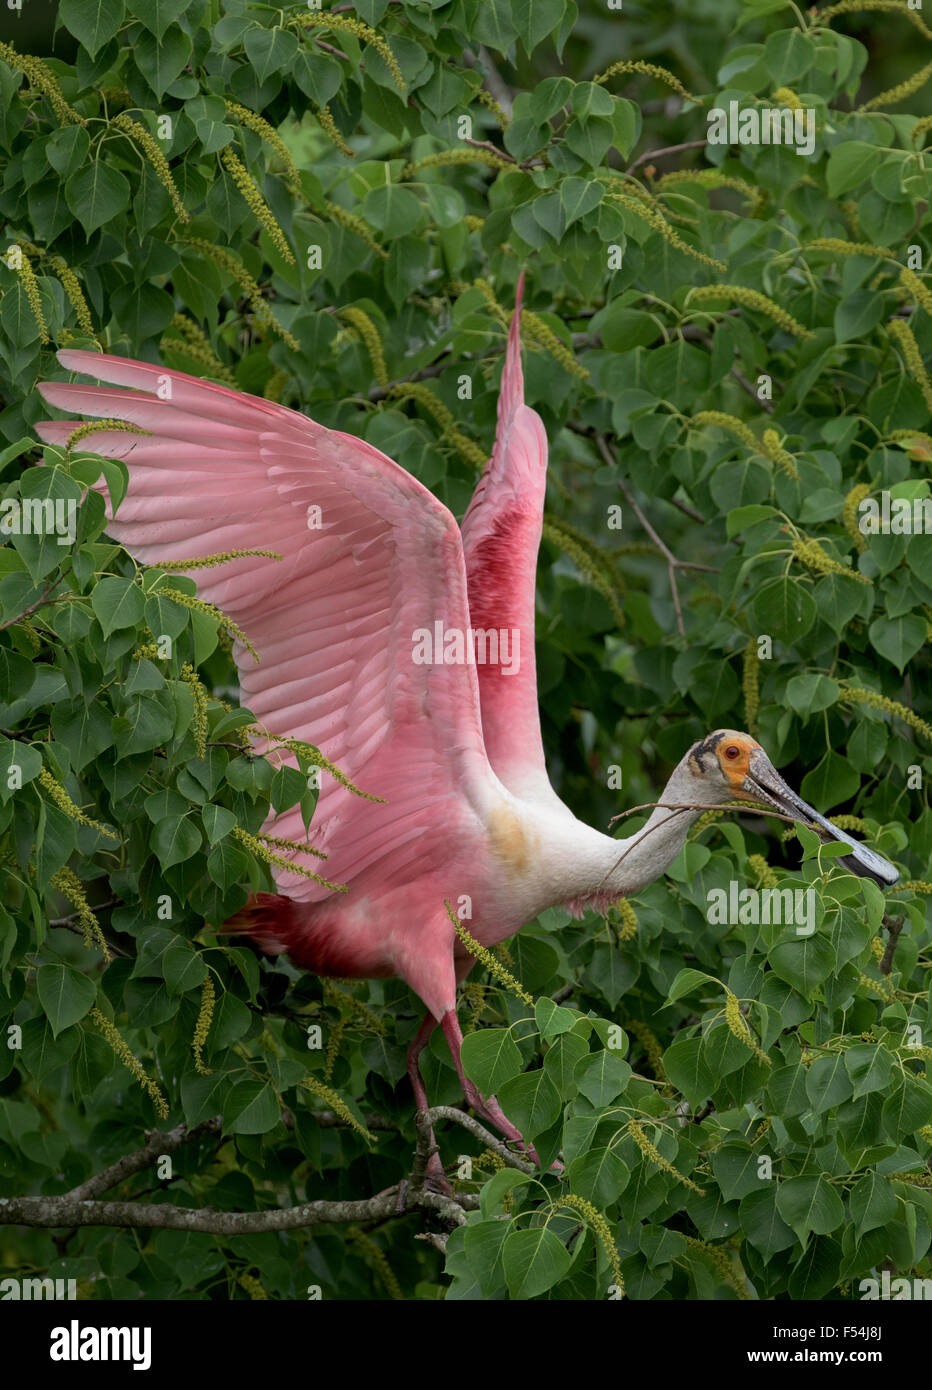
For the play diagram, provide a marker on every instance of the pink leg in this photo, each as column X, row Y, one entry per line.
column 488, row 1109
column 437, row 1178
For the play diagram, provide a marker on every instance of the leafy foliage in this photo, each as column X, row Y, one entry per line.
column 728, row 344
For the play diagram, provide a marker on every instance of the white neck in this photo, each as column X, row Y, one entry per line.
column 587, row 868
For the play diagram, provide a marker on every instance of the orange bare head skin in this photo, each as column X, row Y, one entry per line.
column 727, row 752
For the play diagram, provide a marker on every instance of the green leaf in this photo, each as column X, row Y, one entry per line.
column 869, row 1066
column 686, row 1065
column 534, row 1260
column 93, row 22
column 857, row 314
column 811, row 692
column 490, row 1057
column 218, row 821
column 157, row 15
column 250, row 1108
column 803, row 963
column 851, row 163
column 392, row 210
column 809, row 1204
column 602, row 1077
column 183, row 968
column 117, row 603
column 531, row 1101
column 65, row 994
column 783, row 608
column 873, row 1203
column 898, row 639
column 96, row 193
column 175, row 839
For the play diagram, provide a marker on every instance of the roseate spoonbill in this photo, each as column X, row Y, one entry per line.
column 454, row 746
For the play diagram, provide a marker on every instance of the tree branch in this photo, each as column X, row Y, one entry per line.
column 79, row 1207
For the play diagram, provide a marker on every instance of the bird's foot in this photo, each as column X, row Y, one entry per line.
column 490, row 1110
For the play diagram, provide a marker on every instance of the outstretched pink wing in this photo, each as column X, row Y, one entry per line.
column 501, row 538
column 369, row 558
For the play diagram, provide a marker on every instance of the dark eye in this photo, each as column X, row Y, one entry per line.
column 732, row 752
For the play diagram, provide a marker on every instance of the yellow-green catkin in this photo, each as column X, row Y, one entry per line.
column 762, row 1129
column 199, row 696
column 224, row 258
column 648, row 1040
column 72, row 287
column 858, row 695
column 195, row 344
column 785, row 96
column 750, row 684
column 314, row 756
column 377, row 1258
column 90, row 427
column 295, row 846
column 654, row 1155
column 355, row 224
column 731, row 424
column 777, row 454
column 202, row 1027
column 474, row 997
column 900, row 331
column 911, row 283
column 150, row 148
column 738, row 1028
column 420, row 392
column 365, row 329
column 660, row 224
column 899, row 7
column 220, row 557
column 542, row 333
column 473, row 224
column 57, row 793
column 466, row 156
column 18, row 261
column 629, row 919
column 762, row 871
column 368, row 1019
column 488, row 100
column 272, row 391
column 252, row 1286
column 750, row 299
column 914, row 885
column 343, row 23
column 849, row 513
column 923, row 125
column 810, row 553
column 494, row 966
column 257, row 204
column 271, row 137
column 894, row 95
column 719, row 1258
column 648, row 70
column 837, row 246
column 132, row 1063
column 329, row 126
column 589, row 560
column 711, row 178
column 200, row 605
column 44, row 80
column 337, row 1104
column 262, row 851
column 600, row 1228
column 71, row 887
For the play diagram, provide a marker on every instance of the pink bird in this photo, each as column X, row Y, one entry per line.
column 377, row 635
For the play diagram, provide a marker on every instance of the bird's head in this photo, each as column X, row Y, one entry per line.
column 732, row 766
